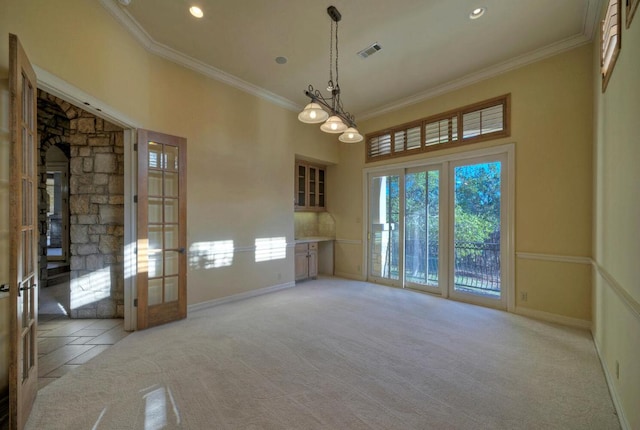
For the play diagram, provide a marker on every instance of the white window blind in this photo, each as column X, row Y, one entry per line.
column 610, row 43
column 406, row 140
column 379, row 145
column 481, row 121
column 442, row 131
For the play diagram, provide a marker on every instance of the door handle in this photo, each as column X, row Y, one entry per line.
column 4, row 288
column 181, row 250
column 25, row 289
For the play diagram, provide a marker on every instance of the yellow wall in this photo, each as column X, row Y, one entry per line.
column 241, row 148
column 616, row 250
column 551, row 127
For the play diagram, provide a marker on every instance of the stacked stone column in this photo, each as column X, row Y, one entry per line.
column 97, row 218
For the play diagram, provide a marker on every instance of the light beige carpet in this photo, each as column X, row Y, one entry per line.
column 336, row 354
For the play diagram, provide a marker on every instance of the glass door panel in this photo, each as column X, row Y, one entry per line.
column 384, row 227
column 477, row 213
column 161, row 229
column 422, row 230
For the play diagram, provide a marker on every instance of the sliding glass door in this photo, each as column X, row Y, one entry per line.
column 477, row 211
column 384, row 228
column 441, row 228
column 422, row 229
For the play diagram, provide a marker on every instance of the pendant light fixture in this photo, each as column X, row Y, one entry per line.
column 329, row 109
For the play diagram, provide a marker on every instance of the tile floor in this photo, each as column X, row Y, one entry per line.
column 65, row 344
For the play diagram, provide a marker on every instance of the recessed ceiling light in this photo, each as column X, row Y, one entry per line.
column 477, row 12
column 196, row 11
column 281, row 60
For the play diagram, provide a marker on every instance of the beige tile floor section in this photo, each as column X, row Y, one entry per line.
column 65, row 344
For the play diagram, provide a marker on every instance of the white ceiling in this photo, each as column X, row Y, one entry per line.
column 428, row 46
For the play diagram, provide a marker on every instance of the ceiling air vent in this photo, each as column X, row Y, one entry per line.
column 370, row 50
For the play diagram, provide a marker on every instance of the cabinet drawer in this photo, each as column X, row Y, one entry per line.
column 302, row 247
column 313, row 245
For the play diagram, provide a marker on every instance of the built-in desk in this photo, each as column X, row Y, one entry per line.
column 313, row 256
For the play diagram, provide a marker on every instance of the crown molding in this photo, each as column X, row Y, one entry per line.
column 481, row 75
column 588, row 30
column 161, row 50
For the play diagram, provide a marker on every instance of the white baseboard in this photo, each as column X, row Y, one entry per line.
column 624, row 424
column 554, row 318
column 241, row 296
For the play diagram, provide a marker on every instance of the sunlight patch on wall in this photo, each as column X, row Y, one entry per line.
column 271, row 248
column 211, row 255
column 91, row 288
column 129, row 263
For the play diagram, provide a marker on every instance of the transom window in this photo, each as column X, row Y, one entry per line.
column 481, row 121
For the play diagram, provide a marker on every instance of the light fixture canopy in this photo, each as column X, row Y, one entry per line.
column 313, row 114
column 339, row 120
column 196, row 11
column 351, row 135
column 477, row 12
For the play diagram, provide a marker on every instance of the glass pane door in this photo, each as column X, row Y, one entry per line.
column 384, row 227
column 422, row 230
column 161, row 281
column 477, row 213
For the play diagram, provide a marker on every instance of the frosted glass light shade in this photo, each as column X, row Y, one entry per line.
column 350, row 135
column 313, row 114
column 333, row 125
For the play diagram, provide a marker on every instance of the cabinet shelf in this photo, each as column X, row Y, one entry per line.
column 310, row 187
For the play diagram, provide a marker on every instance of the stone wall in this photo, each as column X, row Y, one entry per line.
column 96, row 208
column 97, row 218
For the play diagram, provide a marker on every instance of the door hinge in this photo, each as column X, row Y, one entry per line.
column 135, row 146
column 135, row 303
column 135, row 199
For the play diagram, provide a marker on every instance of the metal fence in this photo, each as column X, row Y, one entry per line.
column 477, row 265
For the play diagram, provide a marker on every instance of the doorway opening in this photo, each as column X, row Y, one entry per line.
column 80, row 212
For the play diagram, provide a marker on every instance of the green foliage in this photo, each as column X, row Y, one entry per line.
column 477, row 203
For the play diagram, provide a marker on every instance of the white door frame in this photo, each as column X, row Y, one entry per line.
column 509, row 191
column 504, row 221
column 66, row 91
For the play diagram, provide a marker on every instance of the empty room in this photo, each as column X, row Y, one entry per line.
column 419, row 214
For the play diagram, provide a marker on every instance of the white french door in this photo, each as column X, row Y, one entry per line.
column 478, row 259
column 424, row 229
column 385, row 236
column 443, row 227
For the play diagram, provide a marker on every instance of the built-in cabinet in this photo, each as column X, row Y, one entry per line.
column 306, row 258
column 310, row 187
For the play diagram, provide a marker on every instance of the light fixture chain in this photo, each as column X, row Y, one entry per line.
column 330, row 108
column 337, row 76
column 331, row 56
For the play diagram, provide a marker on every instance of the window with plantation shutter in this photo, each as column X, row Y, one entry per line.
column 406, row 140
column 441, row 131
column 379, row 145
column 481, row 121
column 610, row 40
